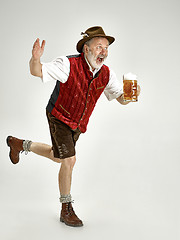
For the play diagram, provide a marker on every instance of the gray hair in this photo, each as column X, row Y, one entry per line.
column 88, row 43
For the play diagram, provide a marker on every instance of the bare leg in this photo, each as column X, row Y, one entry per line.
column 44, row 150
column 65, row 173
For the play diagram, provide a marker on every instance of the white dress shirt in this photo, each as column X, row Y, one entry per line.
column 59, row 70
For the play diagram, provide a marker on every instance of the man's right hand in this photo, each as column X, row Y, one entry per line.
column 38, row 50
column 35, row 64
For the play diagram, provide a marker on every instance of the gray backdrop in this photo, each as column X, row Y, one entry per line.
column 126, row 180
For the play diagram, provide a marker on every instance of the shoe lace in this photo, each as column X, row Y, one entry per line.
column 70, row 209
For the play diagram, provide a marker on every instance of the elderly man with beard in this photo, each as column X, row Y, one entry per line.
column 80, row 80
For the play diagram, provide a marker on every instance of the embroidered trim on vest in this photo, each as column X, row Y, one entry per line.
column 100, row 87
column 64, row 109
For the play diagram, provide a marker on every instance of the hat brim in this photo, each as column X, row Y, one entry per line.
column 81, row 43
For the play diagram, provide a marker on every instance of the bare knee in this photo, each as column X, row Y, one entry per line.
column 51, row 156
column 69, row 162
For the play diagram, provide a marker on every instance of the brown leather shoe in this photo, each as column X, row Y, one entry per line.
column 69, row 217
column 16, row 146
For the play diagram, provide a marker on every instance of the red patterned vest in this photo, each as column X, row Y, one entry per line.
column 72, row 102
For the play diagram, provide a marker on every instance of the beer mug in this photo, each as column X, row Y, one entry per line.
column 130, row 87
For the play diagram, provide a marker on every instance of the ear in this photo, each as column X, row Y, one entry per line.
column 86, row 48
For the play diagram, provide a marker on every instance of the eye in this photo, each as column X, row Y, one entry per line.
column 99, row 47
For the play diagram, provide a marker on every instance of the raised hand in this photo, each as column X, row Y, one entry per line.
column 35, row 64
column 38, row 50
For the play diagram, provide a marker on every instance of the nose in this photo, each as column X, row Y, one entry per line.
column 104, row 51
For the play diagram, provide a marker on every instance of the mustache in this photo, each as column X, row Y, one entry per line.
column 101, row 56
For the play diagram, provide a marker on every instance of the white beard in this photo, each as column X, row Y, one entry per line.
column 92, row 60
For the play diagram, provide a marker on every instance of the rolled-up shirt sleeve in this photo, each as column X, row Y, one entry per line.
column 58, row 69
column 114, row 88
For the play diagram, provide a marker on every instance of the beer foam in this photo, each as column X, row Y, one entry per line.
column 130, row 76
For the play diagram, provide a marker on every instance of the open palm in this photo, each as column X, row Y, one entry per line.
column 38, row 50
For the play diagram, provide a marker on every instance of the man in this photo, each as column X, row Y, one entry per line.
column 80, row 80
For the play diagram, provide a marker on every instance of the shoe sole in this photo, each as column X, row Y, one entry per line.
column 71, row 225
column 7, row 141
